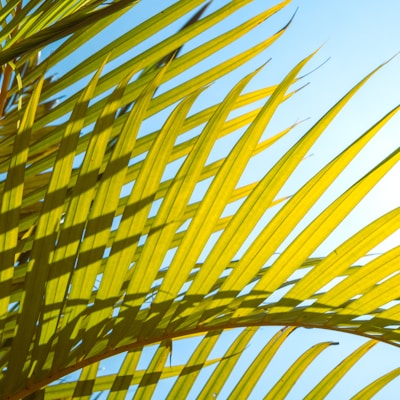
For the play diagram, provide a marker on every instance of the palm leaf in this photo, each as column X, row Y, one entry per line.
column 105, row 247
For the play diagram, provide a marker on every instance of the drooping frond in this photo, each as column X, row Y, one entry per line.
column 105, row 247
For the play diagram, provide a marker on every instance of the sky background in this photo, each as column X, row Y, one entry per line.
column 357, row 36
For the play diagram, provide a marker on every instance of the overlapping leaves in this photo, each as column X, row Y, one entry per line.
column 102, row 252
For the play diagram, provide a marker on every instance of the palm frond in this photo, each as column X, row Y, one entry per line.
column 106, row 249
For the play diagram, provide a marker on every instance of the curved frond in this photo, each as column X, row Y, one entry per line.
column 115, row 236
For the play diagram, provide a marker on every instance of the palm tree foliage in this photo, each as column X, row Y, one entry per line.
column 103, row 252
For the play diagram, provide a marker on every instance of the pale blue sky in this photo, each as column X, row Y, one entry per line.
column 357, row 35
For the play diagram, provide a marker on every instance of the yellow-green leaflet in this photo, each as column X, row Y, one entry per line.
column 290, row 377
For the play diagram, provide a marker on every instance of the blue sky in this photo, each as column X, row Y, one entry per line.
column 356, row 36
